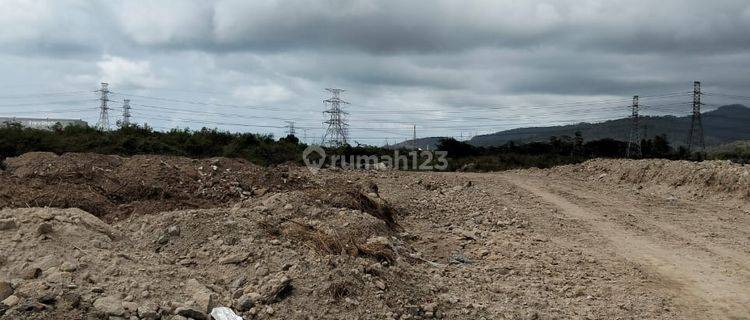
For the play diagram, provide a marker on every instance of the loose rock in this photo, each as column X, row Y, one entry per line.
column 110, row 305
column 6, row 290
column 192, row 313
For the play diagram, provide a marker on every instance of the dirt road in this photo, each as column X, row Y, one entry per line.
column 708, row 275
column 578, row 249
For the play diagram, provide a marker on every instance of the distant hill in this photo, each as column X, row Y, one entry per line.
column 422, row 143
column 723, row 125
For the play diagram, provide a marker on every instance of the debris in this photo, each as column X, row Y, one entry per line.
column 224, row 313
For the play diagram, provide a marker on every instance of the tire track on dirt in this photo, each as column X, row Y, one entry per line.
column 688, row 237
column 702, row 280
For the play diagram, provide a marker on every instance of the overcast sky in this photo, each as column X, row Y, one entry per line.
column 453, row 67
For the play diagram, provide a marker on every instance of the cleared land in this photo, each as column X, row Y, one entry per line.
column 607, row 239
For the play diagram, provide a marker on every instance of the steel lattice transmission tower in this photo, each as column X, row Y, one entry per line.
column 695, row 136
column 103, row 123
column 290, row 128
column 337, row 133
column 634, row 139
column 125, row 113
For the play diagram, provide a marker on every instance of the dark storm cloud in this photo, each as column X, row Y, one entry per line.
column 579, row 84
column 440, row 53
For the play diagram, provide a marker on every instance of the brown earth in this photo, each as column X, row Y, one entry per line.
column 113, row 186
column 607, row 239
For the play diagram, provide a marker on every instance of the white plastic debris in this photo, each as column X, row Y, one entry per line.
column 224, row 313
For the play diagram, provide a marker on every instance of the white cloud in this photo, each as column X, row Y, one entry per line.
column 122, row 72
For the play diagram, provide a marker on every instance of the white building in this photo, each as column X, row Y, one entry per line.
column 41, row 123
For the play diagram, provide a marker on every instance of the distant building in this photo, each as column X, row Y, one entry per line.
column 41, row 123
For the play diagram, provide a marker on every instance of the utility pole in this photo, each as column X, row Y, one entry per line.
column 634, row 139
column 125, row 113
column 695, row 136
column 337, row 133
column 103, row 123
column 290, row 128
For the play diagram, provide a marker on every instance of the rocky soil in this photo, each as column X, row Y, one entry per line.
column 283, row 243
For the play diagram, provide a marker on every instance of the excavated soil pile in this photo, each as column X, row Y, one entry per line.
column 118, row 186
column 695, row 178
column 273, row 256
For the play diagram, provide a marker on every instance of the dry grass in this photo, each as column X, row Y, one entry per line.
column 340, row 289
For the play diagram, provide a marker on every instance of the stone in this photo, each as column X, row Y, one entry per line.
column 31, row 273
column 276, row 289
column 6, row 290
column 234, row 258
column 68, row 266
column 192, row 313
column 244, row 303
column 148, row 312
column 48, row 299
column 30, row 288
column 173, row 231
column 380, row 284
column 260, row 192
column 204, row 298
column 8, row 224
column 238, row 283
column 44, row 229
column 111, row 306
column 131, row 307
column 163, row 239
column 430, row 307
column 31, row 306
column 70, row 300
column 11, row 301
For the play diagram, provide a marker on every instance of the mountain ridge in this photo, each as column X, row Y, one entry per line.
column 723, row 125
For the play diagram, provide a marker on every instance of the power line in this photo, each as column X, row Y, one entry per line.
column 10, row 105
column 41, row 95
column 55, row 111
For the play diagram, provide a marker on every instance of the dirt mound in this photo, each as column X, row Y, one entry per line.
column 694, row 178
column 118, row 186
column 269, row 256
